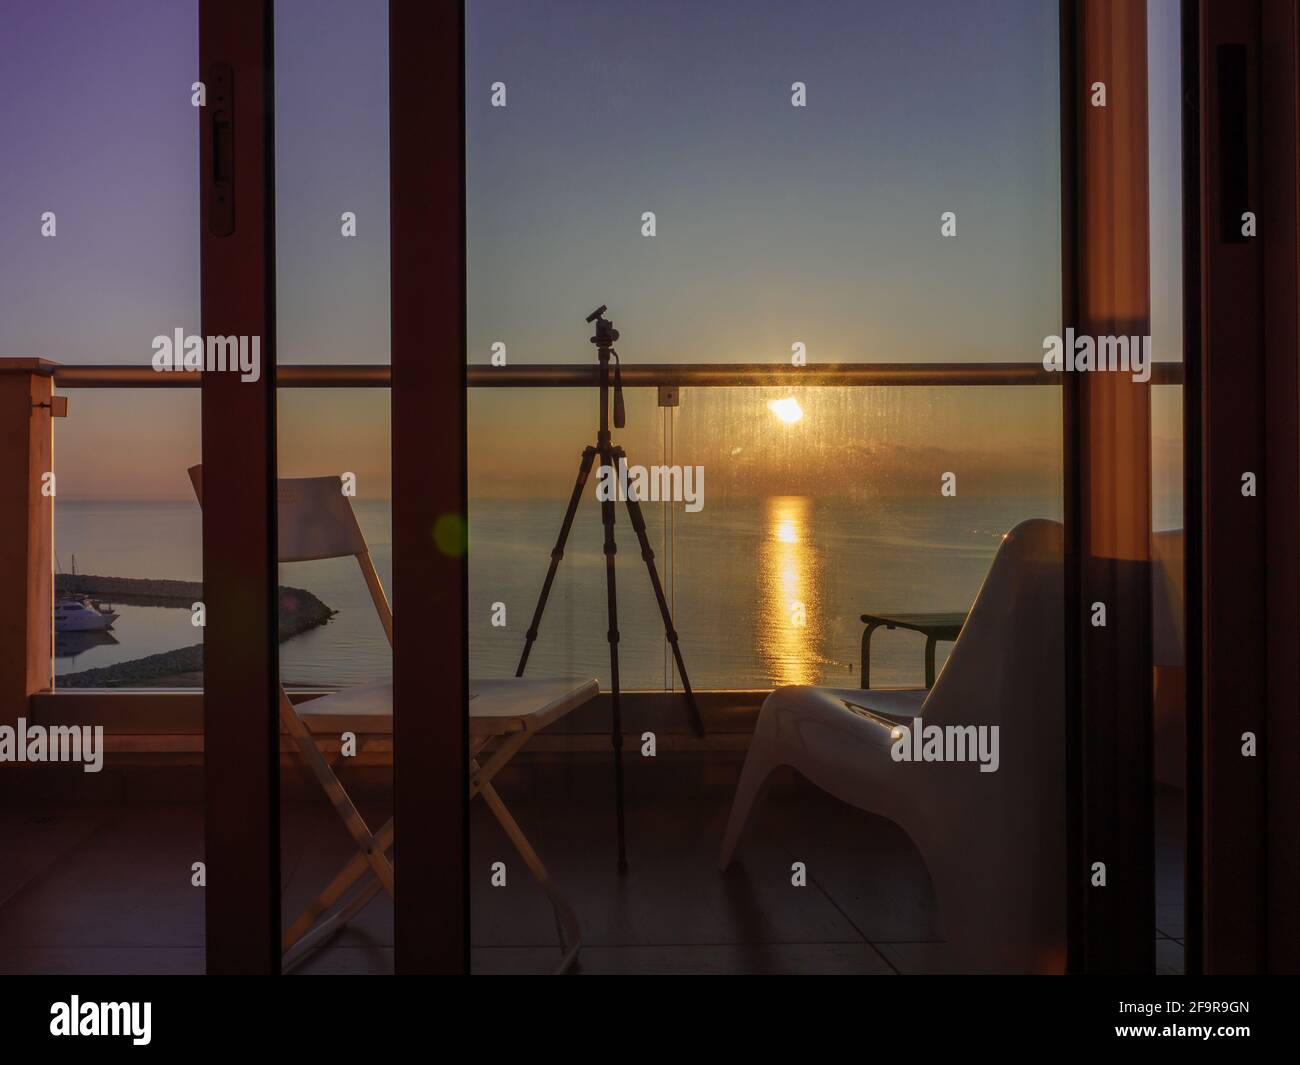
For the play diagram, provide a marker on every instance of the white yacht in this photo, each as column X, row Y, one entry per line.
column 74, row 614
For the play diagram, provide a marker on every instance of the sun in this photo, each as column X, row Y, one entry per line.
column 788, row 409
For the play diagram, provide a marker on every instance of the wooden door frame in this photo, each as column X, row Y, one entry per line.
column 429, row 392
column 240, row 647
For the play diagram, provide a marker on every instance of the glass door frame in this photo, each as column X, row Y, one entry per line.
column 1237, row 881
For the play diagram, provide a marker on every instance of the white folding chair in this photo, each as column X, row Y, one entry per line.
column 316, row 521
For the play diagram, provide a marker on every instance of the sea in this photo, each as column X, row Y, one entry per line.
column 764, row 591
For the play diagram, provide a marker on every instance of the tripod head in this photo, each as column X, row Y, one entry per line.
column 605, row 336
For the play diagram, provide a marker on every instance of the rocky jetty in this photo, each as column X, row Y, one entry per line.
column 130, row 590
column 138, row 671
column 300, row 611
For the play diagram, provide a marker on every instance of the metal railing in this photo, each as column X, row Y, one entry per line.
column 697, row 375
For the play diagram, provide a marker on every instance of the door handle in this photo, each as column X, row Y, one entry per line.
column 221, row 147
column 1234, row 141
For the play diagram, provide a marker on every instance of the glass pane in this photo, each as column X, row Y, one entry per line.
column 334, row 465
column 1164, row 86
column 816, row 521
column 750, row 185
column 129, row 535
column 529, row 453
column 103, row 867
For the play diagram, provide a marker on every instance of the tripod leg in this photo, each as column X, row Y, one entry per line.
column 616, row 731
column 647, row 553
column 557, row 553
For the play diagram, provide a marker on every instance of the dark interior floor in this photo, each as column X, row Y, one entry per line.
column 106, row 889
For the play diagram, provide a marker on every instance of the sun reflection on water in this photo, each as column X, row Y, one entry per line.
column 790, row 588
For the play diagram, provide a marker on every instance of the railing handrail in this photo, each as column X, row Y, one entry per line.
column 559, row 375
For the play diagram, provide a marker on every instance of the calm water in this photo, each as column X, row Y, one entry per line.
column 765, row 591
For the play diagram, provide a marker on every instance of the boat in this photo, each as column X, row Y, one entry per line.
column 75, row 614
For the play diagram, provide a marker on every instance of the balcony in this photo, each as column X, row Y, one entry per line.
column 991, row 668
column 110, row 844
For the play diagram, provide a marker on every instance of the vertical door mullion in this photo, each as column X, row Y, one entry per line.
column 1280, row 196
column 1076, row 865
column 241, row 661
column 1234, row 405
column 1107, row 417
column 430, row 772
column 1233, row 391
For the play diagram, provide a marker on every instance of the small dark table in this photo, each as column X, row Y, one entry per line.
column 934, row 627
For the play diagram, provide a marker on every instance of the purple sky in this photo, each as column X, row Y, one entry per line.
column 775, row 224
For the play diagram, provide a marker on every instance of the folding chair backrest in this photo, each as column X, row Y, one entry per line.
column 316, row 521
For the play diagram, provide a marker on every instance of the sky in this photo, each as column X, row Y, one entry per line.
column 774, row 224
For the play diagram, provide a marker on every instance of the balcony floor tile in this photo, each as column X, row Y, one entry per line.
column 106, row 889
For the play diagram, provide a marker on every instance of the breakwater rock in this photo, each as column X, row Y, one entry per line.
column 300, row 611
column 131, row 590
column 138, row 670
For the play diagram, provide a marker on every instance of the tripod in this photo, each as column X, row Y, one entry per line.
column 610, row 455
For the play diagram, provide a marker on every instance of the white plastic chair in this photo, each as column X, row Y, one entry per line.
column 994, row 842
